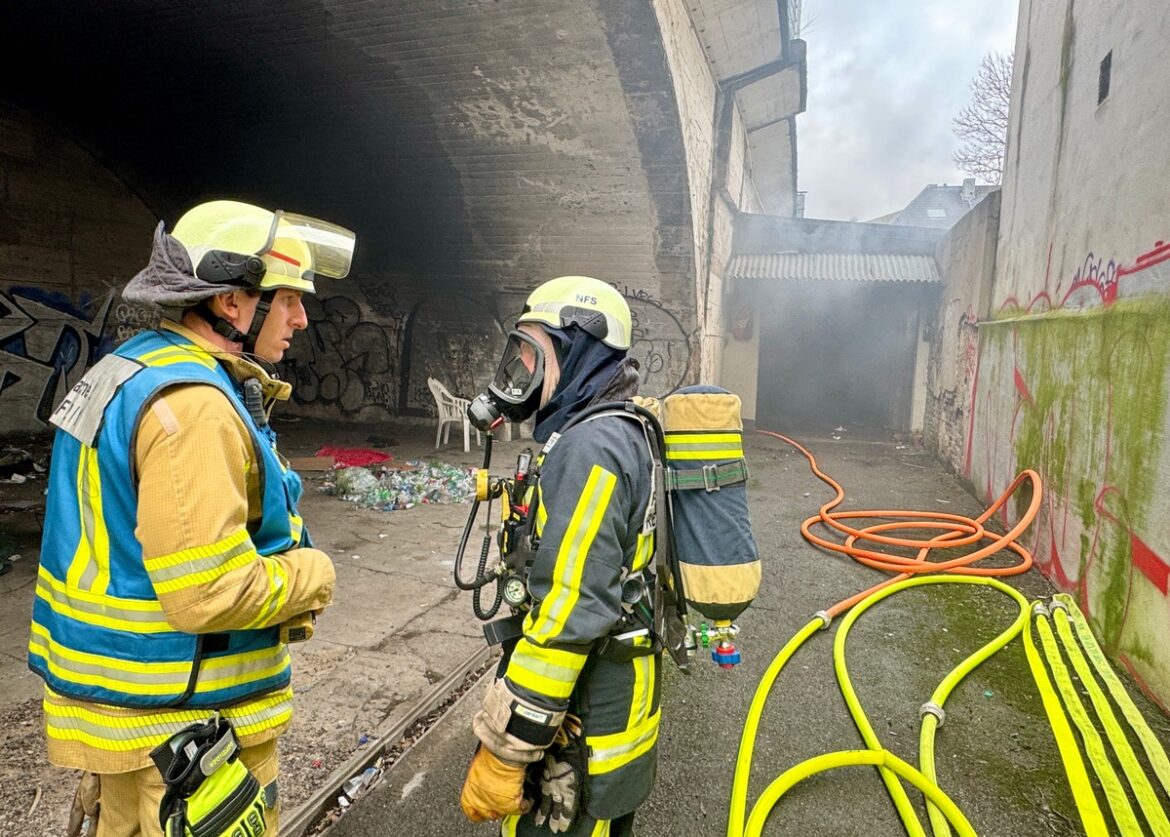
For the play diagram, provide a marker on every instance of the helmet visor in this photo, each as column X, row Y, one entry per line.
column 329, row 247
column 520, row 374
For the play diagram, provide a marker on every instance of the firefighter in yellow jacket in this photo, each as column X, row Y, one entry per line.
column 173, row 551
column 568, row 730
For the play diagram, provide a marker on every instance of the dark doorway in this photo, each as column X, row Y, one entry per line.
column 838, row 353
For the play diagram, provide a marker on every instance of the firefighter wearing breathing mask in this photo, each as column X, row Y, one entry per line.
column 572, row 712
column 173, row 552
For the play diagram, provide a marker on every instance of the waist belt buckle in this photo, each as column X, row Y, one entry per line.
column 710, row 478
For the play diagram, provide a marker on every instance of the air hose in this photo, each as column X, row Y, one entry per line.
column 956, row 531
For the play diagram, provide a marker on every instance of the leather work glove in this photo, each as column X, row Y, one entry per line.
column 558, row 795
column 493, row 789
column 85, row 804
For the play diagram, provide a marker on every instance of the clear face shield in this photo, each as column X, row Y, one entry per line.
column 228, row 240
column 330, row 247
column 514, row 393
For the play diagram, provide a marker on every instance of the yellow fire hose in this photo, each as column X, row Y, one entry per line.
column 944, row 814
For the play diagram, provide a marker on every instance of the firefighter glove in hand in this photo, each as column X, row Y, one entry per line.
column 85, row 804
column 493, row 789
column 558, row 795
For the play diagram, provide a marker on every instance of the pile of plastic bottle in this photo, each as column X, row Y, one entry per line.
column 391, row 489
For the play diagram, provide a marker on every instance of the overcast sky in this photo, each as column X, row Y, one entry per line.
column 885, row 79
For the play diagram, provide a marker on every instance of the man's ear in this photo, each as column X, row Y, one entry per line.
column 226, row 305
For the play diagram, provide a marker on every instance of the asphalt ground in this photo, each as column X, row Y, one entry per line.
column 398, row 626
column 996, row 756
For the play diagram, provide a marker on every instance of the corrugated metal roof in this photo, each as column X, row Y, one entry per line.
column 855, row 267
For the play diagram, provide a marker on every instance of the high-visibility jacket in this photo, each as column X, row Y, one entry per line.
column 594, row 488
column 99, row 632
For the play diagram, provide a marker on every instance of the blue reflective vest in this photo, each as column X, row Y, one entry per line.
column 98, row 629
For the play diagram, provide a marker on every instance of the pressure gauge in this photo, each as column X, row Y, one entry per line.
column 515, row 592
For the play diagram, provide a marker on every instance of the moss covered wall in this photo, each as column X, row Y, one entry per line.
column 1081, row 396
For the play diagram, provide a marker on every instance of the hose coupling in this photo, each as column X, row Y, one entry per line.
column 1057, row 604
column 932, row 708
column 824, row 616
column 1039, row 609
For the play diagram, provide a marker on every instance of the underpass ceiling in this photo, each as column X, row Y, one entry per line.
column 465, row 141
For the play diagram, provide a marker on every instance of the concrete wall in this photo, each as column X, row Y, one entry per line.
column 68, row 231
column 696, row 92
column 1074, row 357
column 966, row 262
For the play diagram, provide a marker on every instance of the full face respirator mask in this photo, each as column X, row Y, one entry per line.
column 514, row 393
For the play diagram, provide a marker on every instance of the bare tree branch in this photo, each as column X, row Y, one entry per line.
column 982, row 125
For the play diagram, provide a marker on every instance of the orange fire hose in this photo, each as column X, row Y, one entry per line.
column 957, row 531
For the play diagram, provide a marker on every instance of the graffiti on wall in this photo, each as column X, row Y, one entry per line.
column 660, row 344
column 343, row 360
column 1083, row 399
column 458, row 342
column 46, row 343
column 128, row 318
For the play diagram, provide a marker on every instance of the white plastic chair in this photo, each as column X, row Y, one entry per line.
column 451, row 410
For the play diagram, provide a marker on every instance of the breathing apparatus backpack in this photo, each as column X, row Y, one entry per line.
column 705, row 554
column 708, row 543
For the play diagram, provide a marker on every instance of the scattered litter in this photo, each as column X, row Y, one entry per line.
column 381, row 535
column 354, row 457
column 941, row 500
column 355, row 786
column 17, row 479
column 839, row 430
column 363, row 740
column 355, row 557
column 342, row 802
column 835, row 437
column 390, row 489
column 988, row 693
column 315, row 763
column 808, row 494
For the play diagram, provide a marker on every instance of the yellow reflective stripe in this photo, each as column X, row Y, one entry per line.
column 547, row 671
column 296, row 526
column 90, row 567
column 200, row 564
column 640, row 698
column 121, row 730
column 643, row 552
column 600, row 829
column 154, row 678
column 136, row 615
column 541, row 515
column 277, row 593
column 713, row 446
column 237, row 669
column 609, row 752
column 703, row 438
column 169, row 355
column 108, row 672
column 574, row 549
column 722, row 453
column 508, row 826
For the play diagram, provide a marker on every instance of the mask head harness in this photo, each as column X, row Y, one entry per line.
column 591, row 305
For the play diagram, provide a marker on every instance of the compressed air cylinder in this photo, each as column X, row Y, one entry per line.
column 707, row 481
